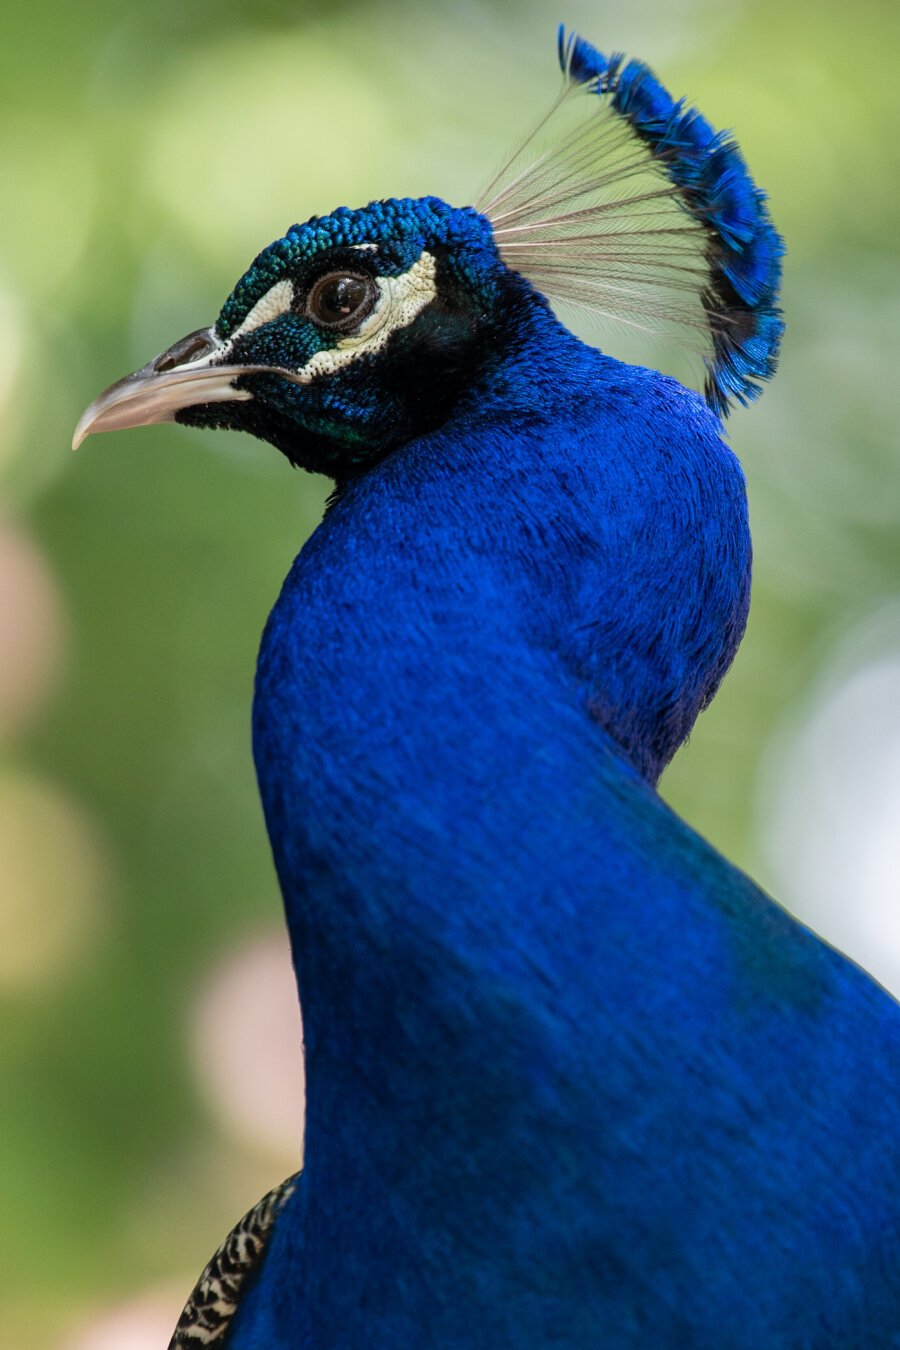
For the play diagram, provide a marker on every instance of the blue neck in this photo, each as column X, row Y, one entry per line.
column 495, row 638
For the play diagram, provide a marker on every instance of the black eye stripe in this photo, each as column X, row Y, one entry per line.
column 341, row 299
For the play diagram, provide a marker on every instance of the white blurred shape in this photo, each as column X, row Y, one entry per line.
column 143, row 1323
column 831, row 813
column 31, row 621
column 53, row 880
column 247, row 1047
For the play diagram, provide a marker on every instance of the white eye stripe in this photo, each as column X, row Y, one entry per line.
column 400, row 301
column 277, row 300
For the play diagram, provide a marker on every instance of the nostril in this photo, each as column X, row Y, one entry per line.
column 190, row 348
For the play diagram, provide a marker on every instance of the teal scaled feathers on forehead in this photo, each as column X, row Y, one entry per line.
column 403, row 227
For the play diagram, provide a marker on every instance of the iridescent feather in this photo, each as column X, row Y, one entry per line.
column 626, row 201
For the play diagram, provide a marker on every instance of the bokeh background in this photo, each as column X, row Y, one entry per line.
column 149, row 1078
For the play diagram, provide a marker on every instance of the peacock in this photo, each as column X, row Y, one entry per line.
column 573, row 1080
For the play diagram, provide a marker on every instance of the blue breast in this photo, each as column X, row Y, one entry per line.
column 572, row 1079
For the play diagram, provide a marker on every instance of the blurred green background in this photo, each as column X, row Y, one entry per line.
column 147, row 1031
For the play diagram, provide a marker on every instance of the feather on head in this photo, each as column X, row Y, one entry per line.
column 641, row 210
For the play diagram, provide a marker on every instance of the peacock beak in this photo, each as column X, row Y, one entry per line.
column 178, row 378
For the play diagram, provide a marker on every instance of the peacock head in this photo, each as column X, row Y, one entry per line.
column 353, row 333
column 360, row 330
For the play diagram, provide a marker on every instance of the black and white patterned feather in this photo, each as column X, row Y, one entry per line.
column 208, row 1312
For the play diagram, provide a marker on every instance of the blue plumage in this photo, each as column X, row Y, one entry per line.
column 572, row 1080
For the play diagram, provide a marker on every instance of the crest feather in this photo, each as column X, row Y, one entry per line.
column 626, row 200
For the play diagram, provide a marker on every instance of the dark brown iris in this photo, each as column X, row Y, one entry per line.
column 341, row 300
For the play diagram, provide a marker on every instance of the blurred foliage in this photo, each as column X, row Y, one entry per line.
column 148, row 152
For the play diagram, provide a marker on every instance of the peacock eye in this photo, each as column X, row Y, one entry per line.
column 341, row 300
